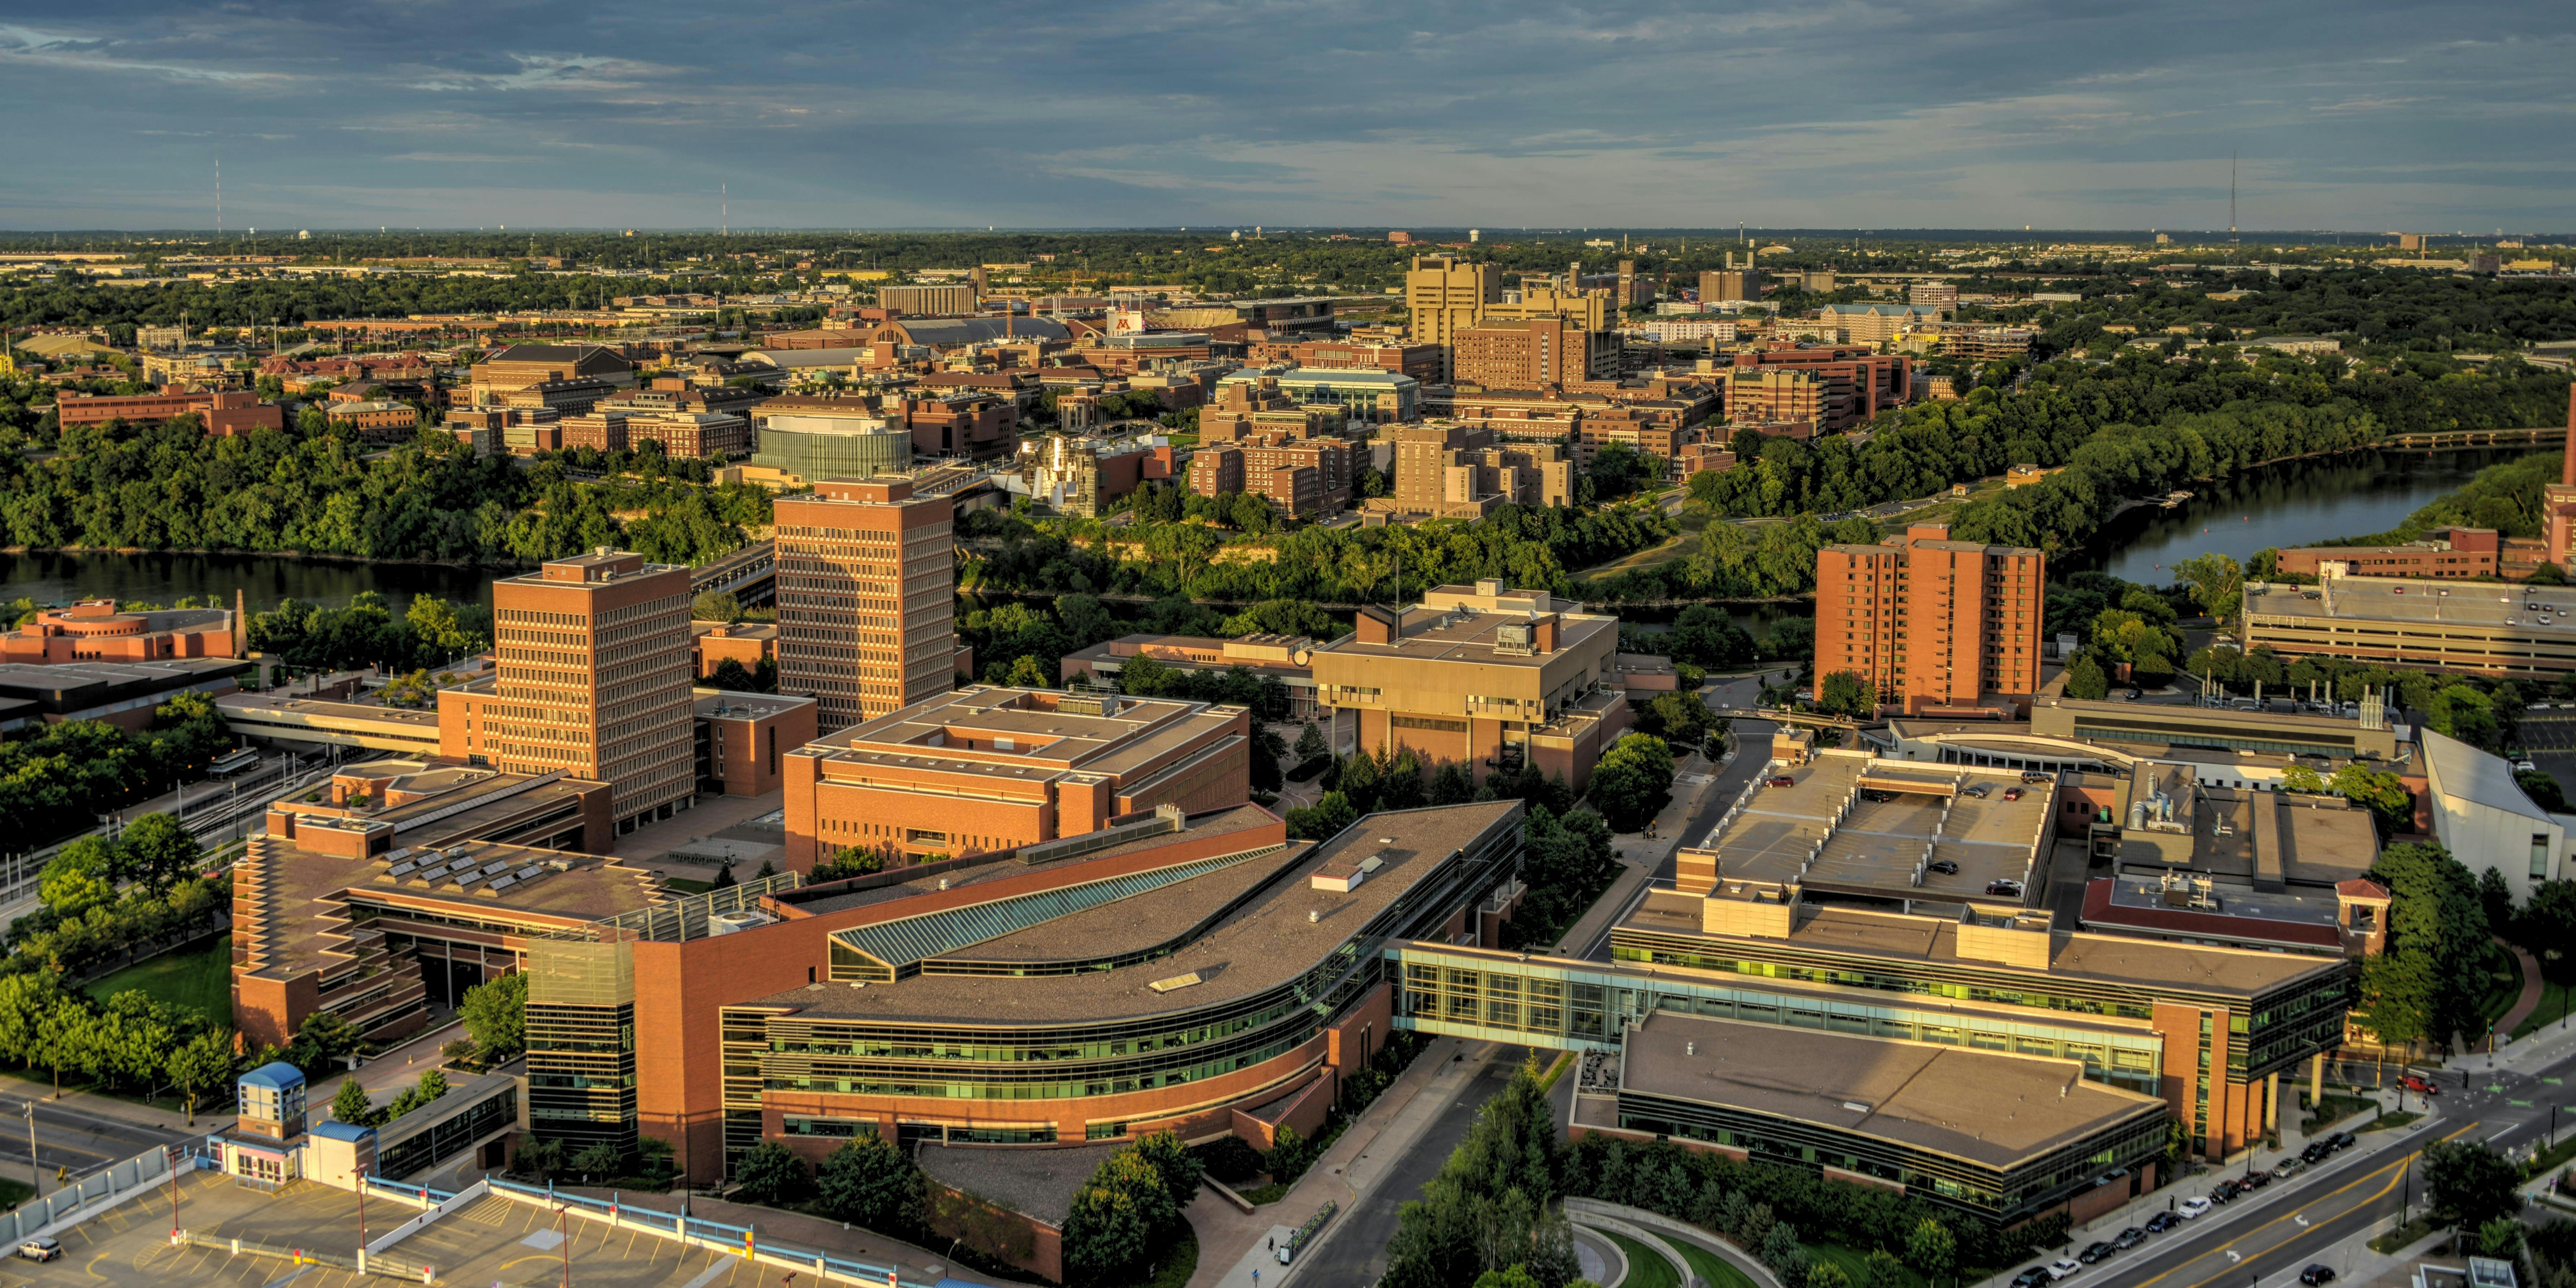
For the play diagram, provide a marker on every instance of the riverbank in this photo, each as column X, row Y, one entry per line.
column 300, row 555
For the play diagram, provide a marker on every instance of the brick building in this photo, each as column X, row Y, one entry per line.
column 226, row 412
column 519, row 366
column 1834, row 386
column 2452, row 552
column 1456, row 470
column 1532, row 353
column 866, row 597
column 1932, row 624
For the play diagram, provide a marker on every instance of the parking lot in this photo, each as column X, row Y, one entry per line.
column 495, row 1241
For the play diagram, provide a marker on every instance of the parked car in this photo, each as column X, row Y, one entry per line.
column 2012, row 793
column 2192, row 1208
column 2317, row 1150
column 2095, row 1252
column 2224, row 1192
column 2129, row 1238
column 2035, row 1277
column 40, row 1249
column 2343, row 1140
column 2290, row 1167
column 2133, row 695
column 2033, row 776
column 2316, row 1275
column 2161, row 1222
column 1978, row 792
column 2525, row 767
column 2419, row 1086
column 1943, row 866
column 2255, row 1181
column 1780, row 780
column 2005, row 886
column 2065, row 1268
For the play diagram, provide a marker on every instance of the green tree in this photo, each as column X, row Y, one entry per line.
column 602, row 1160
column 495, row 1013
column 715, row 606
column 867, row 1181
column 1825, row 1274
column 2301, row 778
column 156, row 850
column 2468, row 1184
column 2086, row 679
column 1027, row 672
column 770, row 1173
column 2423, row 986
column 1453, row 785
column 1490, row 1206
column 1322, row 820
column 1116, row 1216
column 2495, row 898
column 2217, row 584
column 1931, row 1249
column 199, row 1065
column 730, row 676
column 2461, row 712
column 1845, row 693
column 352, row 1106
column 1179, row 1168
column 2382, row 792
column 323, row 1040
column 1632, row 781
column 2546, row 927
column 1310, row 743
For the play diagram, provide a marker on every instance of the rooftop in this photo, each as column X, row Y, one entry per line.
column 1038, row 1182
column 2548, row 611
column 1869, row 825
column 1027, row 734
column 1266, row 932
column 1987, row 1107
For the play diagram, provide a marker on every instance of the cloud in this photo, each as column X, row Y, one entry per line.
column 1657, row 113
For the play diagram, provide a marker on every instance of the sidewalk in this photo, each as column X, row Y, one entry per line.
column 2137, row 1210
column 2532, row 990
column 1641, row 856
column 1347, row 1174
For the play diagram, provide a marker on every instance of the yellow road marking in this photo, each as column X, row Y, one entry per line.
column 2295, row 1209
column 91, row 1269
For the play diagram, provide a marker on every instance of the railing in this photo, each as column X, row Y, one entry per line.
column 714, row 1236
column 94, row 1194
column 368, row 1263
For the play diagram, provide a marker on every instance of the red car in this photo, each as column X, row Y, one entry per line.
column 2012, row 793
column 2419, row 1086
column 1782, row 781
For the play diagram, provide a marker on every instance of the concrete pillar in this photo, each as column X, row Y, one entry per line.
column 2272, row 1103
column 2317, row 1079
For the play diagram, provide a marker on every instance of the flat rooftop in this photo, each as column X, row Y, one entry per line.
column 970, row 870
column 1026, row 734
column 1269, row 938
column 1470, row 635
column 2148, row 966
column 1987, row 1107
column 1877, row 821
column 2530, row 610
column 259, row 706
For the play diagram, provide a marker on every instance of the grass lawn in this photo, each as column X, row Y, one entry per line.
column 1712, row 1269
column 199, row 980
column 2391, row 1122
column 2334, row 1110
column 2556, row 1000
column 2503, row 983
column 686, row 886
column 1647, row 1267
column 1855, row 1263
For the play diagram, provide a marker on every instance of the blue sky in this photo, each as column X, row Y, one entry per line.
column 1997, row 113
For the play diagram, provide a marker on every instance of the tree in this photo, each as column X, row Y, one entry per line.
column 2546, row 927
column 157, row 850
column 1322, row 820
column 2543, row 790
column 1027, row 672
column 2303, row 779
column 2495, row 898
column 1633, row 781
column 1116, row 1217
column 2086, row 679
column 716, row 606
column 352, row 1106
column 1680, row 719
column 1825, row 1274
column 1179, row 1169
column 730, row 675
column 1310, row 743
column 1845, row 693
column 2217, row 584
column 769, row 1173
column 867, row 1181
column 323, row 1040
column 495, row 1013
column 2422, row 987
column 601, row 1159
column 2468, row 1184
column 2381, row 792
column 1931, row 1249
column 1453, row 785
column 200, row 1064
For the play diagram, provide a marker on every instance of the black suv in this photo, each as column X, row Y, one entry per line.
column 2035, row 1277
column 2161, row 1222
column 2095, row 1252
column 2317, row 1274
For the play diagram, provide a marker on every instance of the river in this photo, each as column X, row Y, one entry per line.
column 55, row 576
column 2279, row 505
column 2282, row 505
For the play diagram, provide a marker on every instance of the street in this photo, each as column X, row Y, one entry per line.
column 76, row 1141
column 1357, row 1254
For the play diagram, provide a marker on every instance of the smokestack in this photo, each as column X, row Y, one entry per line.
column 2567, row 469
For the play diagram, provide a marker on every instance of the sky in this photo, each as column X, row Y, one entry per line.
column 2362, row 116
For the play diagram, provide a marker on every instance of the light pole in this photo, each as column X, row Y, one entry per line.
column 35, row 1173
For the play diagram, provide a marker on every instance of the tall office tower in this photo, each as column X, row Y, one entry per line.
column 1717, row 285
column 1442, row 294
column 591, row 662
column 867, row 585
column 1931, row 622
column 2558, row 500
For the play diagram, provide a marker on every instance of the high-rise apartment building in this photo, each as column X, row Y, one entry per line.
column 1464, row 471
column 866, row 598
column 591, row 663
column 1940, row 295
column 1717, row 285
column 927, row 301
column 1930, row 622
column 2558, row 500
column 1834, row 386
column 1443, row 294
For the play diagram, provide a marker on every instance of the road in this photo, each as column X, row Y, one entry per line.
column 1753, row 740
column 1357, row 1255
column 2264, row 1240
column 72, row 1140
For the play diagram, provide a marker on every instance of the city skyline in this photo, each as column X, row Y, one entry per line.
column 656, row 117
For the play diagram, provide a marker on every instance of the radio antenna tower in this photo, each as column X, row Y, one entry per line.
column 724, row 209
column 219, row 200
column 2231, row 199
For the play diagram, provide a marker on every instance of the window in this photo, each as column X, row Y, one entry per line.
column 2539, row 856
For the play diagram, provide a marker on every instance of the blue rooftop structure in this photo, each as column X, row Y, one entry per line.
column 276, row 1075
column 334, row 1129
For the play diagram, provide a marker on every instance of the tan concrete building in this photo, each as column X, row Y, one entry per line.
column 1931, row 623
column 1463, row 471
column 1444, row 294
column 1482, row 676
column 522, row 365
column 1718, row 285
column 866, row 598
column 591, row 678
column 927, row 301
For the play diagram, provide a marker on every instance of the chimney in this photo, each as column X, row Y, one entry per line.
column 2567, row 470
